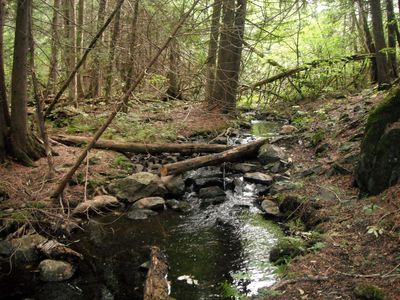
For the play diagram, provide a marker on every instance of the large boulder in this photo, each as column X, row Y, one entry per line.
column 379, row 163
column 138, row 186
column 55, row 270
column 174, row 184
column 270, row 153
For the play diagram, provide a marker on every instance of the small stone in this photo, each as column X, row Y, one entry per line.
column 258, row 177
column 288, row 129
column 172, row 204
column 55, row 270
column 184, row 206
column 153, row 203
column 244, row 167
column 270, row 207
column 213, row 201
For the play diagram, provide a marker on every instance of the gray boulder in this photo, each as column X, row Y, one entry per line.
column 270, row 208
column 153, row 203
column 258, row 177
column 25, row 248
column 55, row 270
column 137, row 186
column 270, row 153
column 174, row 184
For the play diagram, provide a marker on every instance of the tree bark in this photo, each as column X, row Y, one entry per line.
column 55, row 42
column 211, row 159
column 95, row 85
column 212, row 50
column 24, row 149
column 111, row 55
column 127, row 147
column 156, row 285
column 70, row 50
column 380, row 43
column 4, row 114
column 79, row 45
column 174, row 89
column 391, row 31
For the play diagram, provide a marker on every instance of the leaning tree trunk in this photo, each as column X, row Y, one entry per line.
column 70, row 51
column 23, row 145
column 391, row 31
column 369, row 43
column 212, row 50
column 380, row 44
column 4, row 115
column 111, row 55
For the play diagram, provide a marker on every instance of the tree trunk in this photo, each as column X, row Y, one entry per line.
column 4, row 115
column 391, row 30
column 174, row 89
column 70, row 50
column 154, row 149
column 95, row 85
column 211, row 159
column 23, row 146
column 212, row 50
column 79, row 45
column 380, row 44
column 369, row 43
column 111, row 56
column 55, row 42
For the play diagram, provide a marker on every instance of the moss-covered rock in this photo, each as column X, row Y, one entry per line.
column 379, row 164
column 368, row 292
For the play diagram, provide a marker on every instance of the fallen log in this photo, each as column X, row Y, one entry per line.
column 156, row 285
column 126, row 147
column 211, row 159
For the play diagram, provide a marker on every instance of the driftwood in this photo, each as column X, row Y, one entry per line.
column 126, row 147
column 56, row 250
column 156, row 285
column 121, row 103
column 95, row 205
column 305, row 67
column 211, row 159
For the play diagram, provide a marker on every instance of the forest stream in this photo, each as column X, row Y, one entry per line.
column 212, row 250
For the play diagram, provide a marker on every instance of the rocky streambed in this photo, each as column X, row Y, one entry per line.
column 210, row 223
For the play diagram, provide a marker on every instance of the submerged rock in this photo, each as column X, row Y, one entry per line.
column 153, row 203
column 258, row 177
column 55, row 270
column 140, row 214
column 270, row 153
column 211, row 192
column 25, row 248
column 137, row 186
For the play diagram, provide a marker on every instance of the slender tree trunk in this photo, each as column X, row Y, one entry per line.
column 70, row 51
column 111, row 56
column 174, row 89
column 95, row 85
column 130, row 75
column 24, row 148
column 369, row 43
column 79, row 45
column 380, row 44
column 55, row 40
column 4, row 115
column 212, row 50
column 391, row 30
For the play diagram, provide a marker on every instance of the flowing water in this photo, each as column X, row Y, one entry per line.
column 211, row 251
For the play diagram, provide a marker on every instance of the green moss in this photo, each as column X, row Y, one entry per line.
column 229, row 291
column 122, row 162
column 368, row 292
column 286, row 249
column 259, row 221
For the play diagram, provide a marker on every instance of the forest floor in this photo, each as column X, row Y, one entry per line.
column 360, row 237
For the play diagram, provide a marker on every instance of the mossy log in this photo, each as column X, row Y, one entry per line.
column 211, row 159
column 379, row 164
column 127, row 147
column 156, row 285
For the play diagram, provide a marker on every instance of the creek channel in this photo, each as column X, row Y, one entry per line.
column 212, row 250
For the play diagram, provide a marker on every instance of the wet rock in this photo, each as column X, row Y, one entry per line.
column 281, row 177
column 137, row 186
column 207, row 182
column 278, row 166
column 244, row 167
column 174, row 184
column 288, row 129
column 140, row 214
column 367, row 291
column 283, row 186
column 137, row 168
column 286, row 248
column 25, row 248
column 270, row 208
column 213, row 201
column 153, row 203
column 270, row 153
column 55, row 270
column 172, row 204
column 258, row 177
column 211, row 192
column 220, row 140
column 184, row 207
column 97, row 203
column 6, row 248
column 290, row 204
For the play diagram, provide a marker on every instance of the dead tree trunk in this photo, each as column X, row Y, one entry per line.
column 140, row 147
column 156, row 285
column 211, row 159
column 123, row 101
